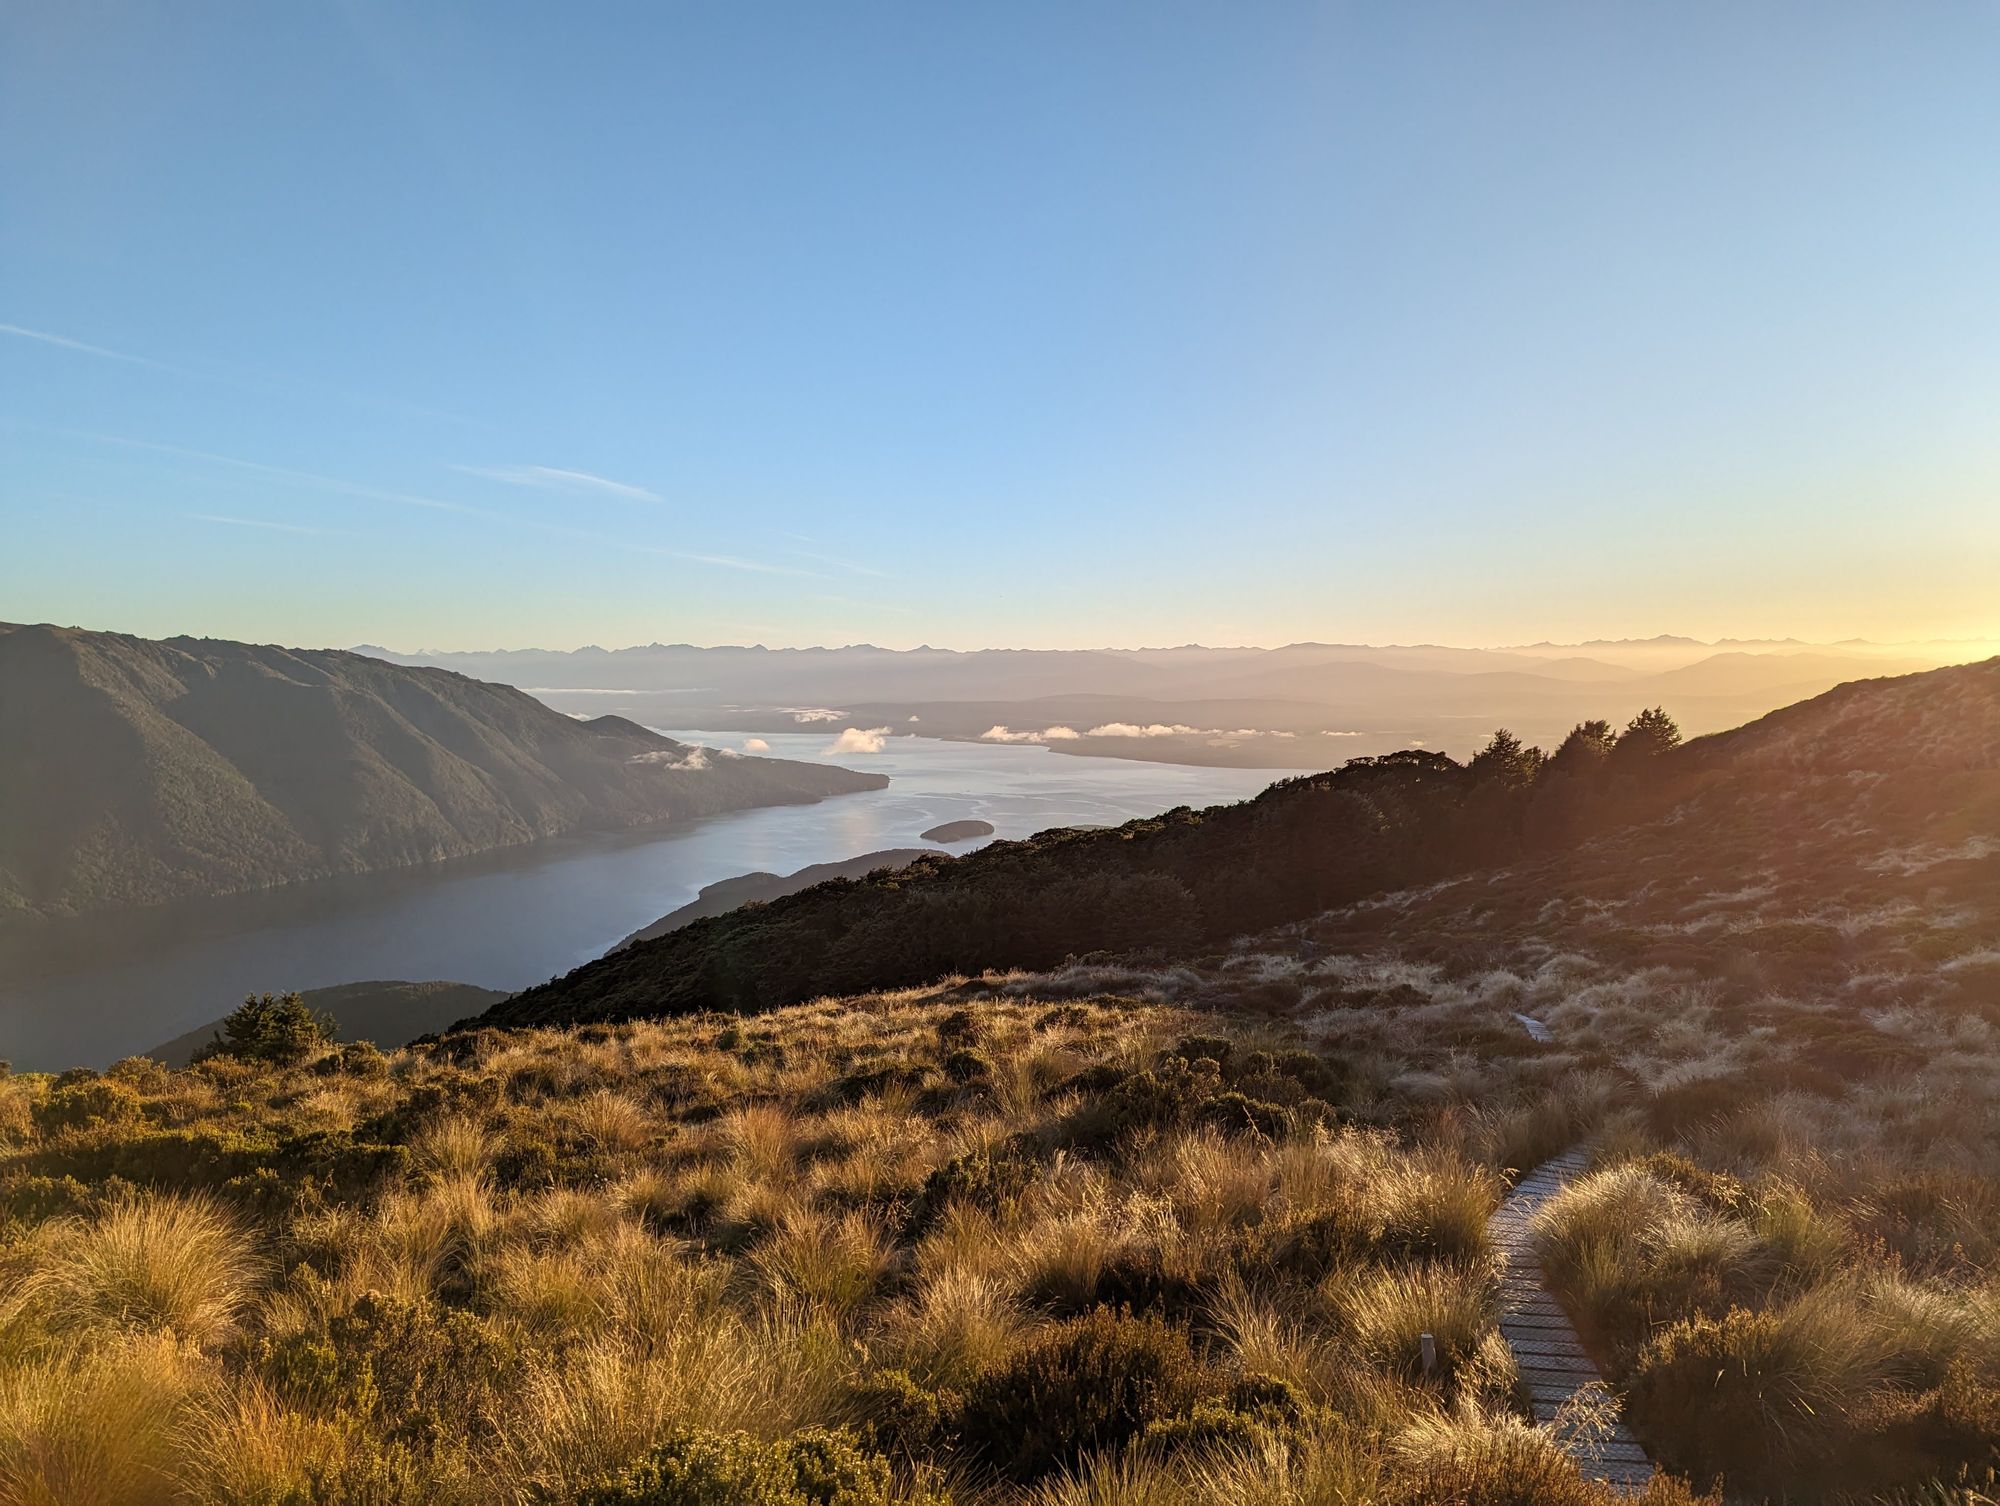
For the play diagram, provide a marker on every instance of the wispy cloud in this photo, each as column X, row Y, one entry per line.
column 734, row 562
column 84, row 347
column 872, row 606
column 342, row 487
column 283, row 473
column 555, row 479
column 274, row 527
column 816, row 554
column 848, row 565
column 239, row 376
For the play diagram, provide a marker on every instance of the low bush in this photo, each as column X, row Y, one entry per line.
column 1257, row 1414
column 418, row 1370
column 86, row 1105
column 700, row 1467
column 967, row 1066
column 989, row 1179
column 897, row 1416
column 1091, row 1383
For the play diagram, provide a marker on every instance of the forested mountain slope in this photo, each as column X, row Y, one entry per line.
column 1901, row 762
column 134, row 771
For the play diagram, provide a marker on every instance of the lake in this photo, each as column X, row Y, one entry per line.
column 90, row 992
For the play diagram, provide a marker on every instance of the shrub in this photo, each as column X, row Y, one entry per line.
column 990, row 1180
column 1718, row 1191
column 699, row 1467
column 1259, row 1413
column 276, row 1028
column 1956, row 1425
column 1170, row 1096
column 1675, row 1110
column 357, row 1059
column 1091, row 1383
column 428, row 1374
column 89, row 1104
column 901, row 1418
column 1097, row 1078
column 1194, row 1048
column 29, row 1199
column 965, row 1066
column 1234, row 1113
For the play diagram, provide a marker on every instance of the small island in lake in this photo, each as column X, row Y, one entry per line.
column 958, row 831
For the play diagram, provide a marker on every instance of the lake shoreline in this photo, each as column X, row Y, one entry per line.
column 85, row 991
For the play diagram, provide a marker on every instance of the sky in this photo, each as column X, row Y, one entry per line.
column 1041, row 323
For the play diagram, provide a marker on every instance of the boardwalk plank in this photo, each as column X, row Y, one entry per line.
column 1549, row 1356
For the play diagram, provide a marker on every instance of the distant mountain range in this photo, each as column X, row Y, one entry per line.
column 1304, row 706
column 134, row 772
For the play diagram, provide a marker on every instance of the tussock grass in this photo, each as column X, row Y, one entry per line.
column 97, row 1422
column 957, row 1324
column 836, row 1262
column 179, row 1265
column 1384, row 1313
column 453, row 1149
column 508, row 1268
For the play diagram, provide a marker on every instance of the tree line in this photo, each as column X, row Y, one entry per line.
column 1178, row 883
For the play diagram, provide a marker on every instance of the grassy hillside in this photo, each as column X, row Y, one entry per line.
column 134, row 771
column 975, row 1247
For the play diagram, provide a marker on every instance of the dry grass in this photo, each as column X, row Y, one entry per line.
column 596, row 1238
column 181, row 1266
column 97, row 1423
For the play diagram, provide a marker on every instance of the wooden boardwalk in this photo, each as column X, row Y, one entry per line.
column 1547, row 1352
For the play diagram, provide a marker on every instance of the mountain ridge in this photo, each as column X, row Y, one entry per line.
column 135, row 771
column 1918, row 754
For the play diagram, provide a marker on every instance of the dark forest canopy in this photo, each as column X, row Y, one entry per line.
column 1177, row 883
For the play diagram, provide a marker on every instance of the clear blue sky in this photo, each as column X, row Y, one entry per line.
column 999, row 323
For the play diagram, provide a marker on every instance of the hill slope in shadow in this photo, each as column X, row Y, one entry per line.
column 134, row 771
column 1851, row 787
